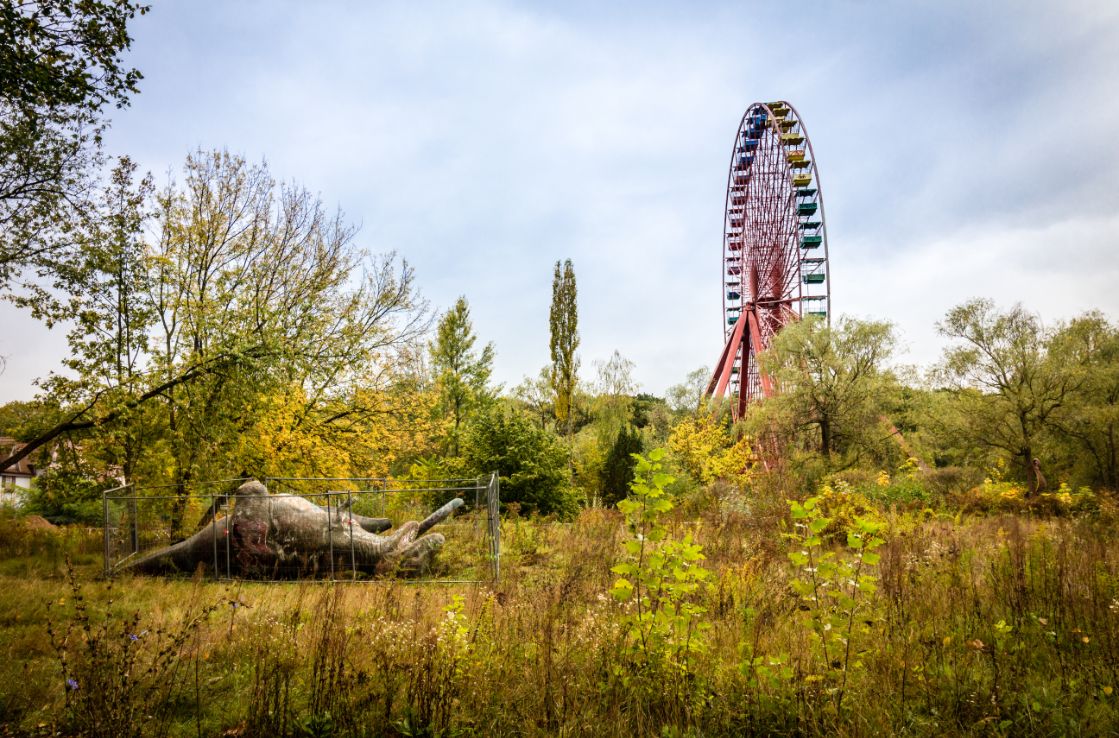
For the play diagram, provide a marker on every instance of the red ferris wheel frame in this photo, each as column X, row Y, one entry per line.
column 775, row 248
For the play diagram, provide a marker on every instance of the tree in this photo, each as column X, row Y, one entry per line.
column 1006, row 384
column 532, row 462
column 564, row 325
column 462, row 375
column 1089, row 419
column 613, row 402
column 254, row 282
column 101, row 292
column 832, row 386
column 536, row 395
column 253, row 311
column 109, row 307
column 617, row 471
column 60, row 66
column 686, row 398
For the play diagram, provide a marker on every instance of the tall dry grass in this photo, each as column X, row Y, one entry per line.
column 997, row 625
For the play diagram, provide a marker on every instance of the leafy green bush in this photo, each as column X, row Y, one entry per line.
column 659, row 580
column 531, row 461
column 67, row 497
column 836, row 589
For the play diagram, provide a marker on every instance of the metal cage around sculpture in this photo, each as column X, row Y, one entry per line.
column 140, row 523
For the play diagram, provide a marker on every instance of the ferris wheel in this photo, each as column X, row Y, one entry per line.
column 775, row 249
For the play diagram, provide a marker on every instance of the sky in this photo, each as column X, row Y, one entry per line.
column 964, row 150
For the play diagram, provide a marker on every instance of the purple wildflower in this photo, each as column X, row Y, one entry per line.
column 71, row 684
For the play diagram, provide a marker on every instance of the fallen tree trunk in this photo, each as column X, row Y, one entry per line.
column 277, row 536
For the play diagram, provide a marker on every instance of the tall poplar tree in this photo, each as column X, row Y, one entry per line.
column 564, row 324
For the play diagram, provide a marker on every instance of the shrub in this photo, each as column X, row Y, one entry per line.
column 836, row 588
column 531, row 461
column 67, row 497
column 658, row 580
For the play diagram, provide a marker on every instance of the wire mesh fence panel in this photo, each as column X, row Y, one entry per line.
column 345, row 529
column 140, row 520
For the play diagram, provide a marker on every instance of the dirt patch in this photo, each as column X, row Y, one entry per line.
column 38, row 522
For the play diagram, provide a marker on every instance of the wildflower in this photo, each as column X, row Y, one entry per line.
column 71, row 684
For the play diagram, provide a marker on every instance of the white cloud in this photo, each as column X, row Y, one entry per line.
column 1058, row 270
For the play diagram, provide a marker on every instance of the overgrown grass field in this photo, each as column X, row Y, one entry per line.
column 793, row 620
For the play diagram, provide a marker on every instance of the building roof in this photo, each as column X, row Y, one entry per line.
column 23, row 467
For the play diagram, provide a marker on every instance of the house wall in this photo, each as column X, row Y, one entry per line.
column 12, row 488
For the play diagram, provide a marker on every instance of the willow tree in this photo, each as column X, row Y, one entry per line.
column 833, row 387
column 1089, row 419
column 1007, row 385
column 563, row 322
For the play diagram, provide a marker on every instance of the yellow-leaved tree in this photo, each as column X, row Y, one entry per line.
column 703, row 448
column 365, row 434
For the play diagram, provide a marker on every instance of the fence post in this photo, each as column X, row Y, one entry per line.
column 493, row 496
column 330, row 531
column 353, row 555
column 215, row 508
column 134, row 508
column 105, row 527
column 228, row 533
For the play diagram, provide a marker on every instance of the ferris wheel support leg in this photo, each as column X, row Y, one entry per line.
column 743, row 385
column 719, row 380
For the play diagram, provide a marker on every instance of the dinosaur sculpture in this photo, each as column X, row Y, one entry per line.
column 267, row 536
